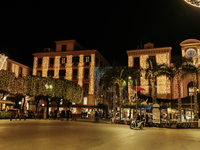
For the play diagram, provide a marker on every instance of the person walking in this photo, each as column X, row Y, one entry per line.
column 62, row 115
column 92, row 115
column 68, row 111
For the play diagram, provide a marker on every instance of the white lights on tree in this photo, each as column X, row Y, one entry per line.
column 195, row 3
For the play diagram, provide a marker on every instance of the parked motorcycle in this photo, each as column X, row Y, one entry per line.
column 137, row 123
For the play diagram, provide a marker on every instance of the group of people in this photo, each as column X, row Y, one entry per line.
column 94, row 116
column 61, row 115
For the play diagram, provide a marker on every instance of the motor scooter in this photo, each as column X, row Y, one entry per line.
column 137, row 124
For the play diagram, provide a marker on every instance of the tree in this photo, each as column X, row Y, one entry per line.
column 113, row 76
column 155, row 70
column 178, row 70
column 54, row 89
column 7, row 81
column 191, row 68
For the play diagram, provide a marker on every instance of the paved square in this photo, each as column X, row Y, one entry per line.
column 71, row 135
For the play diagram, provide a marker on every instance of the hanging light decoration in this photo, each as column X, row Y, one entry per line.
column 2, row 60
column 195, row 3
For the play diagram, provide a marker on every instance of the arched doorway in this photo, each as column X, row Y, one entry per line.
column 190, row 88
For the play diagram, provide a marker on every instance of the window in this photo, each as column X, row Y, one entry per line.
column 50, row 73
column 39, row 73
column 85, row 88
column 75, row 71
column 20, row 71
column 9, row 67
column 87, row 60
column 137, row 62
column 63, row 61
column 101, row 64
column 85, row 101
column 51, row 62
column 190, row 89
column 62, row 74
column 97, row 61
column 39, row 62
column 152, row 58
column 86, row 74
column 64, row 47
column 75, row 60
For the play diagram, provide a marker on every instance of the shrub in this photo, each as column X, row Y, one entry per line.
column 4, row 114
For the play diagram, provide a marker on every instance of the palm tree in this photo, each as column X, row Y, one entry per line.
column 154, row 70
column 192, row 69
column 178, row 70
column 113, row 76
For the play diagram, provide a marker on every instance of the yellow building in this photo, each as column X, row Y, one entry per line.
column 138, row 57
column 73, row 62
column 20, row 70
column 165, row 88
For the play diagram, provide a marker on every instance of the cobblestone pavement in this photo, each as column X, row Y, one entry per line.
column 71, row 135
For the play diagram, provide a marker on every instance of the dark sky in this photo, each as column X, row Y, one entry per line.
column 110, row 27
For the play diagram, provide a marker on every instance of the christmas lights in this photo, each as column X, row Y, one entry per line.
column 80, row 71
column 35, row 66
column 69, row 68
column 56, row 66
column 45, row 65
column 92, row 66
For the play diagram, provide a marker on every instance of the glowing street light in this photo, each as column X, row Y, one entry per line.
column 195, row 3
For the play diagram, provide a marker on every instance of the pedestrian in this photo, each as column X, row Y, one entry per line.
column 147, row 119
column 62, row 115
column 68, row 111
column 92, row 115
column 96, row 116
column 58, row 115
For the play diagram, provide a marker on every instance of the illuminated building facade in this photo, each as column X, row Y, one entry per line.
column 165, row 88
column 137, row 58
column 73, row 62
column 20, row 70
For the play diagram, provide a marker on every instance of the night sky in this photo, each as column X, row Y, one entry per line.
column 110, row 27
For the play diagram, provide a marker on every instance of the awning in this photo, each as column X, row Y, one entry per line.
column 7, row 102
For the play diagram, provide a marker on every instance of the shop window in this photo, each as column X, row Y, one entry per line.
column 85, row 101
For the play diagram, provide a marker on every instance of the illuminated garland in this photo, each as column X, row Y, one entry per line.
column 41, row 86
column 7, row 80
column 195, row 3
